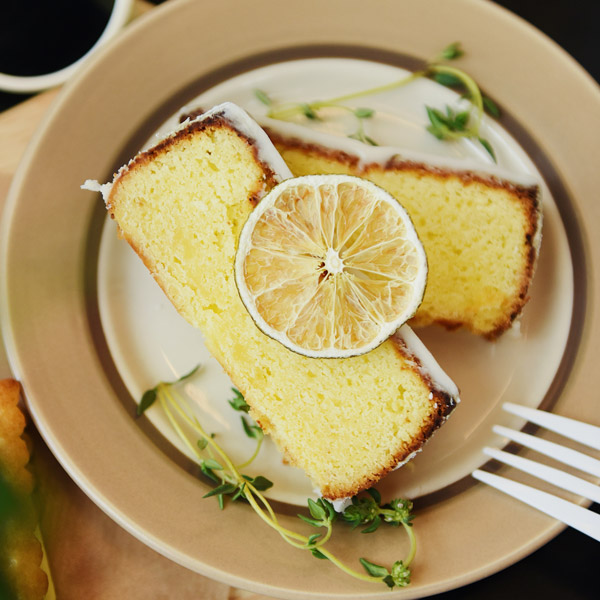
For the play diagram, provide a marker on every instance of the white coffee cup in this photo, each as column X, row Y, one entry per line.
column 119, row 16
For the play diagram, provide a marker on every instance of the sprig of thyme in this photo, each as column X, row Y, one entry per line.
column 311, row 111
column 251, row 430
column 230, row 482
column 448, row 126
column 149, row 396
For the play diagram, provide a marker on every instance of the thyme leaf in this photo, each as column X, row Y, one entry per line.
column 452, row 51
column 373, row 569
column 447, row 79
column 491, row 107
column 149, row 396
column 146, row 402
column 488, row 147
column 252, row 431
column 263, row 97
column 238, row 402
column 364, row 113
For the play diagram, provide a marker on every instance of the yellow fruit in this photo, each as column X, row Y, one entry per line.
column 330, row 265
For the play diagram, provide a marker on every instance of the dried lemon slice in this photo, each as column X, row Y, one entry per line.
column 330, row 265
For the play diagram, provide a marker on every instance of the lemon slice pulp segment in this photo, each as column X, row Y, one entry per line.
column 330, row 265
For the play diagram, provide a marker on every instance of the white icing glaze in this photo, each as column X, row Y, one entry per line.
column 246, row 125
column 428, row 364
column 367, row 154
column 94, row 186
column 341, row 504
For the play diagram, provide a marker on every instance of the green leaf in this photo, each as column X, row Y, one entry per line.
column 212, row 464
column 436, row 132
column 448, row 80
column 202, row 443
column 373, row 569
column 182, row 378
column 461, row 120
column 187, row 375
column 375, row 495
column 263, row 97
column 364, row 113
column 363, row 510
column 313, row 538
column 374, row 525
column 317, row 511
column 401, row 512
column 353, row 519
column 238, row 402
column 252, row 431
column 491, row 107
column 310, row 521
column 239, row 493
column 370, row 141
column 452, row 51
column 329, row 508
column 318, row 554
column 209, row 473
column 400, row 574
column 224, row 488
column 438, row 122
column 308, row 111
column 146, row 402
column 389, row 581
column 261, row 483
column 488, row 147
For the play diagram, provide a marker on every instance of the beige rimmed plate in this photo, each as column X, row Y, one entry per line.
column 75, row 385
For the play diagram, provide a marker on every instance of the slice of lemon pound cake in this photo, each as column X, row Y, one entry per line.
column 346, row 422
column 481, row 228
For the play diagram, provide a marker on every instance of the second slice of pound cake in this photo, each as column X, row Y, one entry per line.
column 346, row 422
column 481, row 227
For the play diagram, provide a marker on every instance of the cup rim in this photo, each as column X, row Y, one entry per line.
column 119, row 16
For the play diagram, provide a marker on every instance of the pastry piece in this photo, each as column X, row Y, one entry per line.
column 181, row 206
column 481, row 228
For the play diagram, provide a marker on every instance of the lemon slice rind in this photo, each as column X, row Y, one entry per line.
column 363, row 307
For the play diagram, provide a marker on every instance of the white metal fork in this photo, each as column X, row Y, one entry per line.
column 572, row 514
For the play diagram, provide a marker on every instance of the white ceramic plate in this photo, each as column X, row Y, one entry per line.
column 150, row 342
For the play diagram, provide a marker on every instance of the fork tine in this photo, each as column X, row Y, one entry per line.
column 550, row 474
column 573, row 515
column 580, row 432
column 556, row 451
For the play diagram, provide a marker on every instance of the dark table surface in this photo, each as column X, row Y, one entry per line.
column 568, row 567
